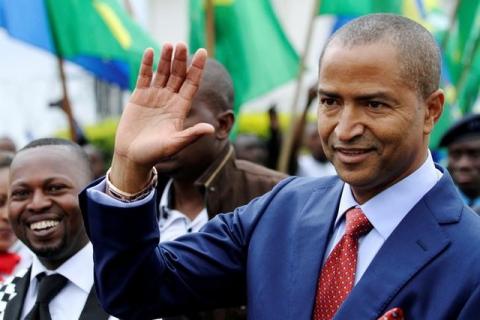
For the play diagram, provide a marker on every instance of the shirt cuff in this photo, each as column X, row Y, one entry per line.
column 97, row 194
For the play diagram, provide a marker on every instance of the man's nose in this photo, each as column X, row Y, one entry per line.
column 349, row 123
column 4, row 213
column 39, row 201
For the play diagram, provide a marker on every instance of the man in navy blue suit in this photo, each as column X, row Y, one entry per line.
column 389, row 236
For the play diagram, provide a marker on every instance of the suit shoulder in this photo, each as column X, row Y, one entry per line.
column 312, row 183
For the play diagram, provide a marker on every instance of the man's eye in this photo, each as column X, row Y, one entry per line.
column 328, row 101
column 19, row 194
column 55, row 188
column 375, row 104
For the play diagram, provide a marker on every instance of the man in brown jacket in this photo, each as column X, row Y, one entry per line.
column 205, row 178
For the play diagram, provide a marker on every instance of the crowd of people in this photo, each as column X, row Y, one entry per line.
column 185, row 224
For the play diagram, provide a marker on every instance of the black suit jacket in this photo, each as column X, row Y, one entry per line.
column 12, row 299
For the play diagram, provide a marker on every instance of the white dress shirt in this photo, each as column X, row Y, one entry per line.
column 69, row 302
column 385, row 211
column 173, row 223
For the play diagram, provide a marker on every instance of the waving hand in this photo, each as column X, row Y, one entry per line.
column 151, row 126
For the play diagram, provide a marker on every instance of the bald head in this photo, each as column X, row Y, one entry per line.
column 216, row 87
column 418, row 53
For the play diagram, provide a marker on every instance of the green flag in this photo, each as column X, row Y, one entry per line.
column 460, row 36
column 359, row 7
column 249, row 42
column 99, row 35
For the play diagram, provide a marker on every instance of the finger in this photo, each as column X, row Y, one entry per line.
column 163, row 69
column 194, row 75
column 179, row 68
column 191, row 134
column 145, row 74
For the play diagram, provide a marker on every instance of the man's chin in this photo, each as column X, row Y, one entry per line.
column 49, row 252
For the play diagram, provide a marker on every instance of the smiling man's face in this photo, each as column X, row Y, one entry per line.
column 43, row 205
column 373, row 125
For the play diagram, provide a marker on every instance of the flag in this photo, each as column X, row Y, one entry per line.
column 460, row 36
column 99, row 35
column 461, row 69
column 249, row 42
column 359, row 7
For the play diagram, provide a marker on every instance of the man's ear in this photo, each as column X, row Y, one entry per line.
column 434, row 109
column 225, row 123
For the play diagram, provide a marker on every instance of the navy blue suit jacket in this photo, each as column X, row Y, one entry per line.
column 268, row 254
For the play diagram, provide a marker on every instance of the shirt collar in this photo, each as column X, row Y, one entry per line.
column 169, row 215
column 78, row 269
column 387, row 209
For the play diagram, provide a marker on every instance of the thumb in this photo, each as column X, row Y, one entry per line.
column 189, row 135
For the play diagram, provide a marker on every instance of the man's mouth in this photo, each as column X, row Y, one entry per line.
column 353, row 155
column 44, row 225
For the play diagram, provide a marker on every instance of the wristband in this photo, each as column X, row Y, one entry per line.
column 123, row 196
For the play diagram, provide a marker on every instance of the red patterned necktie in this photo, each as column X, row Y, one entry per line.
column 338, row 274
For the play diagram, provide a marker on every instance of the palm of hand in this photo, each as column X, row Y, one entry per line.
column 151, row 127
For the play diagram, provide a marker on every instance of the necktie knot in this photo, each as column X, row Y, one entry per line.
column 49, row 287
column 357, row 223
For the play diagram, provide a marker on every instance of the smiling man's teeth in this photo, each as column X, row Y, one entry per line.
column 45, row 224
column 353, row 151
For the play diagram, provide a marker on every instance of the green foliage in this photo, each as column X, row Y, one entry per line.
column 258, row 123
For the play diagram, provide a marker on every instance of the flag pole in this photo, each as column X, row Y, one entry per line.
column 287, row 143
column 210, row 28
column 66, row 106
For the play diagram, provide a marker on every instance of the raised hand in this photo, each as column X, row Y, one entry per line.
column 151, row 126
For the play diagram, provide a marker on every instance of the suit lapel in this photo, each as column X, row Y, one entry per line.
column 416, row 241
column 14, row 307
column 314, row 227
column 92, row 308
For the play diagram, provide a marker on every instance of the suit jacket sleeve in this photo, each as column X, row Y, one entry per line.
column 136, row 278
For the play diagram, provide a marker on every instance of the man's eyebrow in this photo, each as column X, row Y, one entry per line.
column 374, row 95
column 328, row 93
column 368, row 96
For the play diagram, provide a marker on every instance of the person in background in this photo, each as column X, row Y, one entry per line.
column 14, row 255
column 462, row 140
column 7, row 144
column 205, row 178
column 96, row 158
column 45, row 179
column 250, row 147
column 315, row 162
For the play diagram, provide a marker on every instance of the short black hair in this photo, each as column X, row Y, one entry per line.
column 216, row 86
column 78, row 150
column 418, row 53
